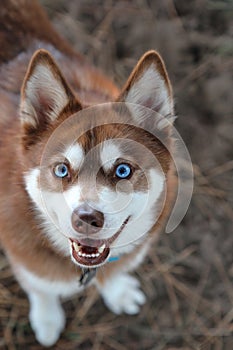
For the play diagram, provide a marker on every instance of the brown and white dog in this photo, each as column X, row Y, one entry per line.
column 86, row 173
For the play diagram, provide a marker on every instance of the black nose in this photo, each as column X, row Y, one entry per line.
column 87, row 220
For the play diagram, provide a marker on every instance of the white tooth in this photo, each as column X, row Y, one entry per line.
column 79, row 253
column 97, row 254
column 76, row 247
column 101, row 249
column 93, row 255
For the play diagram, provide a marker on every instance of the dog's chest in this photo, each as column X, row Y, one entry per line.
column 32, row 282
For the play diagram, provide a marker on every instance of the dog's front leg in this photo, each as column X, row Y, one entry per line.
column 46, row 317
column 120, row 291
column 122, row 294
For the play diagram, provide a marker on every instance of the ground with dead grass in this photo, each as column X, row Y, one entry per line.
column 188, row 276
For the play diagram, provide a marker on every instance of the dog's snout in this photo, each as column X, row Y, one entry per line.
column 87, row 220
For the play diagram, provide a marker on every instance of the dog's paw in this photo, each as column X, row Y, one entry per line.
column 123, row 294
column 47, row 321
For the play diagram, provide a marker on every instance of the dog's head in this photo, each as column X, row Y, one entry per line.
column 96, row 175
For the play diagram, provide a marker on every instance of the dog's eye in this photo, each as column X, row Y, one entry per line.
column 61, row 170
column 123, row 171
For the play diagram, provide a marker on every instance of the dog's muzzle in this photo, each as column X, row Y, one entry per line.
column 88, row 252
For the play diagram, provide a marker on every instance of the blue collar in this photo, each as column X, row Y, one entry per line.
column 113, row 258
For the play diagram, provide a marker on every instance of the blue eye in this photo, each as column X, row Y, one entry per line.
column 61, row 170
column 123, row 171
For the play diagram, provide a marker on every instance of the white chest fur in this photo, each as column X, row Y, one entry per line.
column 32, row 283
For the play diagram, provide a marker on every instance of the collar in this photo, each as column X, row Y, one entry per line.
column 113, row 258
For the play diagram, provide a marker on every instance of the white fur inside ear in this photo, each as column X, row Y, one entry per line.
column 44, row 93
column 151, row 91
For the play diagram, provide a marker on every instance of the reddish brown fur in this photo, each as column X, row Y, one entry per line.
column 24, row 27
column 19, row 229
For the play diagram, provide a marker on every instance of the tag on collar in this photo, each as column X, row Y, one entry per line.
column 86, row 276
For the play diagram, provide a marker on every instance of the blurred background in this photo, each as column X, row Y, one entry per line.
column 188, row 275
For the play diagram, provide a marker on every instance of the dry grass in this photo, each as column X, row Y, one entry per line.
column 188, row 275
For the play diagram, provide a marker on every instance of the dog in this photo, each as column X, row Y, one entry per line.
column 87, row 179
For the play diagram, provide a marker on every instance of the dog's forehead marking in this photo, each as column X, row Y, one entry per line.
column 110, row 151
column 75, row 155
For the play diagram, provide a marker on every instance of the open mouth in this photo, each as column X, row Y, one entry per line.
column 89, row 252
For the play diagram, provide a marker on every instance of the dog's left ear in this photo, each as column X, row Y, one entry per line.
column 149, row 86
column 45, row 95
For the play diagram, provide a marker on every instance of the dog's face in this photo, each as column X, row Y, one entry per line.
column 97, row 176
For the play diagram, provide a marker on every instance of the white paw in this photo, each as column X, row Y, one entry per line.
column 123, row 294
column 47, row 320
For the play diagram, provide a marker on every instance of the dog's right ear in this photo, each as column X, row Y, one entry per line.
column 44, row 96
column 149, row 86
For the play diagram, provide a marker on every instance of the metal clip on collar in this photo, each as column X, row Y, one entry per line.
column 86, row 276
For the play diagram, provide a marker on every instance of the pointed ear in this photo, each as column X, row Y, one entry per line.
column 149, row 86
column 45, row 93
